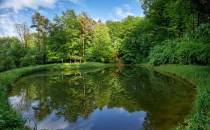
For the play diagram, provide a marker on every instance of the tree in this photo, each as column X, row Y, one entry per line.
column 101, row 50
column 116, row 32
column 64, row 38
column 23, row 33
column 137, row 41
column 87, row 27
column 170, row 18
column 41, row 23
column 10, row 53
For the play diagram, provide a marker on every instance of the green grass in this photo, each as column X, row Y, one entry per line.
column 200, row 76
column 10, row 120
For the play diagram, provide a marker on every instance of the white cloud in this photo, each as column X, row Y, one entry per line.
column 123, row 12
column 10, row 12
column 7, row 26
column 99, row 19
column 21, row 4
column 32, row 4
column 75, row 1
column 8, row 21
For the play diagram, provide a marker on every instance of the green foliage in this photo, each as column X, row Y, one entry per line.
column 7, row 63
column 41, row 23
column 10, row 120
column 181, row 51
column 65, row 40
column 163, row 54
column 101, row 50
column 116, row 32
column 202, row 33
column 29, row 58
column 176, row 32
column 169, row 18
column 13, row 54
column 10, row 52
column 136, row 43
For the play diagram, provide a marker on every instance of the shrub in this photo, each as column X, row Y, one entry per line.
column 7, row 63
column 182, row 51
column 164, row 53
column 202, row 33
column 28, row 60
column 192, row 52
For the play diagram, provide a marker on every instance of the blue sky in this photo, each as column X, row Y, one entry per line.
column 19, row 11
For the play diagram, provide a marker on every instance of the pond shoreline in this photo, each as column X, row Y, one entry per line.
column 12, row 120
column 200, row 76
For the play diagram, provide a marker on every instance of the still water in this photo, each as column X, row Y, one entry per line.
column 123, row 98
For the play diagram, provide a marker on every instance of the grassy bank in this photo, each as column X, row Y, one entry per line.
column 10, row 120
column 200, row 76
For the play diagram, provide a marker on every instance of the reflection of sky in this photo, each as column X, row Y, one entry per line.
column 105, row 119
column 15, row 100
column 18, row 102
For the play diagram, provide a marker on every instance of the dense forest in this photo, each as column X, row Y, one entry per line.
column 172, row 31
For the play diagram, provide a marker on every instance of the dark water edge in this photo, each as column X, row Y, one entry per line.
column 118, row 98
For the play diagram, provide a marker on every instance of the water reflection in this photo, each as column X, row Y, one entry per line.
column 125, row 98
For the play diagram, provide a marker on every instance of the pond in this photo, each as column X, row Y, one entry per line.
column 116, row 98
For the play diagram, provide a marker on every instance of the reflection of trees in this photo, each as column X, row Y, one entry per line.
column 26, row 94
column 78, row 94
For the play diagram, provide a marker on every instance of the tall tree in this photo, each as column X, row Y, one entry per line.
column 87, row 27
column 137, row 40
column 64, row 40
column 41, row 23
column 23, row 33
column 101, row 49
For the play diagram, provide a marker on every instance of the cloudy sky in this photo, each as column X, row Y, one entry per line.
column 19, row 11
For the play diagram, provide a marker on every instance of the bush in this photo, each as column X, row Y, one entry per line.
column 99, row 55
column 28, row 60
column 182, row 51
column 164, row 53
column 202, row 33
column 8, row 48
column 7, row 63
column 190, row 52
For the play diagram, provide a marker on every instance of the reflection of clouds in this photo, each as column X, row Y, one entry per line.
column 35, row 103
column 105, row 119
column 15, row 100
column 121, row 110
column 18, row 102
column 52, row 122
column 101, row 119
column 142, row 119
column 81, row 124
column 51, row 109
